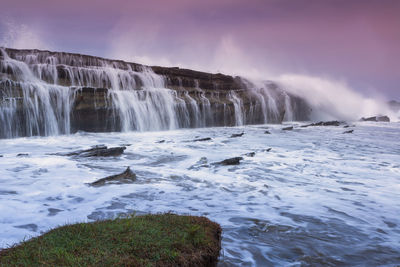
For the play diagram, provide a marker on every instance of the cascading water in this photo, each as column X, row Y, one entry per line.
column 30, row 106
column 45, row 93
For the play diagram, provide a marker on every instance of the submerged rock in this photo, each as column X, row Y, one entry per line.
column 202, row 162
column 287, row 128
column 201, row 139
column 348, row 132
column 22, row 155
column 323, row 123
column 97, row 151
column 125, row 177
column 31, row 227
column 237, row 135
column 267, row 132
column 377, row 119
column 230, row 161
column 250, row 154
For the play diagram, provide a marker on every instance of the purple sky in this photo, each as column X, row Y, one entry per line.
column 356, row 41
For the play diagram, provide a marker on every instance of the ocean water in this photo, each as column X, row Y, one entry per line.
column 318, row 197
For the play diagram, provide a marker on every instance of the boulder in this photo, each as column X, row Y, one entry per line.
column 96, row 151
column 323, row 123
column 202, row 162
column 237, row 135
column 287, row 128
column 348, row 132
column 267, row 132
column 230, row 161
column 123, row 178
column 201, row 139
column 378, row 118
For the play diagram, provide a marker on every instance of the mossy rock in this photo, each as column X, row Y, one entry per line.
column 149, row 240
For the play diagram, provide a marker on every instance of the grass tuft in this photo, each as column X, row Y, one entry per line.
column 149, row 240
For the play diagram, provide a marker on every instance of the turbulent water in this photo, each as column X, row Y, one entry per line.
column 318, row 197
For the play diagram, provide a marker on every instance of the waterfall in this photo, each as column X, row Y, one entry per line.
column 30, row 106
column 47, row 93
column 288, row 108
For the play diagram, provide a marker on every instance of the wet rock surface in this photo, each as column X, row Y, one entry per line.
column 125, row 177
column 96, row 151
column 237, row 135
column 324, row 123
column 201, row 139
column 290, row 128
column 230, row 161
column 348, row 132
column 250, row 154
column 377, row 119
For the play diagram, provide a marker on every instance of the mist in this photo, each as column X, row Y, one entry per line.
column 332, row 99
column 21, row 36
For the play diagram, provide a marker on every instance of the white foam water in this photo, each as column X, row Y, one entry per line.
column 318, row 197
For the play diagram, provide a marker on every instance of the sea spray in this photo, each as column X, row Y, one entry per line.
column 332, row 99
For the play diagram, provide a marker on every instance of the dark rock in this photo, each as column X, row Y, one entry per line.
column 31, row 227
column 350, row 131
column 5, row 192
column 160, row 142
column 230, row 161
column 201, row 139
column 1, row 156
column 202, row 162
column 251, row 154
column 97, row 151
column 267, row 132
column 267, row 150
column 237, row 135
column 331, row 123
column 123, row 178
column 287, row 128
column 323, row 123
column 53, row 211
column 377, row 119
column 22, row 155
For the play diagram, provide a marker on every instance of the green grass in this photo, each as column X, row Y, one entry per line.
column 150, row 240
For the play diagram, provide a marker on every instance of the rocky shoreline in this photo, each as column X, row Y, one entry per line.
column 50, row 93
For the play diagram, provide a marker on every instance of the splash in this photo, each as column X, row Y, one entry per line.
column 21, row 36
column 332, row 99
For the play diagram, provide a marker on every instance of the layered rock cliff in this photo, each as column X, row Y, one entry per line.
column 49, row 93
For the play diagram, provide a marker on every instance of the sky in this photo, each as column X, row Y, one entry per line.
column 355, row 42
